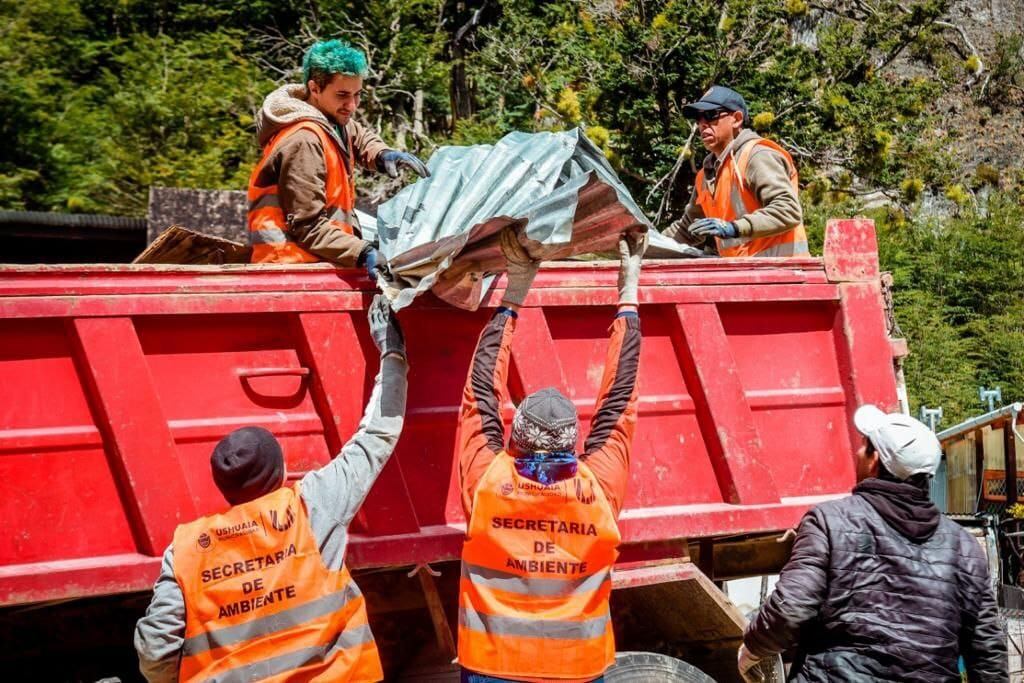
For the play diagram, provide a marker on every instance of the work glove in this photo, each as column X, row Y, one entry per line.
column 384, row 327
column 374, row 262
column 521, row 268
column 747, row 664
column 390, row 160
column 713, row 227
column 631, row 250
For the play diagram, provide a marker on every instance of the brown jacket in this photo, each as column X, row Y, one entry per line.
column 301, row 172
column 768, row 175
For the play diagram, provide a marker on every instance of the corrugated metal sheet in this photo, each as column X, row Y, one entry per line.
column 556, row 189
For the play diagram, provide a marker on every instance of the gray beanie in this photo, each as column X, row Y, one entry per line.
column 545, row 421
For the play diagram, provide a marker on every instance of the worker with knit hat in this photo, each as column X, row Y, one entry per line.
column 260, row 590
column 542, row 531
column 302, row 191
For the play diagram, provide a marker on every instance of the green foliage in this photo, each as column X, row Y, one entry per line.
column 959, row 295
column 958, row 194
column 986, row 174
column 763, row 121
column 107, row 97
column 911, row 188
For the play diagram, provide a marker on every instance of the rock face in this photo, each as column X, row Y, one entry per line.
column 984, row 121
column 220, row 213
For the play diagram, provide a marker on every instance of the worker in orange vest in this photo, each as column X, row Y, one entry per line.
column 302, row 195
column 261, row 591
column 745, row 195
column 542, row 534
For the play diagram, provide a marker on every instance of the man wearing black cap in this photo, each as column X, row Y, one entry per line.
column 542, row 531
column 745, row 195
column 261, row 590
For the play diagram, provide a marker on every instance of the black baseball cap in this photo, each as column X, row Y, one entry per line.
column 717, row 97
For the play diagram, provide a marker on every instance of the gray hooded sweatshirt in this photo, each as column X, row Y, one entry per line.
column 332, row 495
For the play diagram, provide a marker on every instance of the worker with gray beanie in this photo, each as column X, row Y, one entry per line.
column 881, row 586
column 261, row 589
column 542, row 531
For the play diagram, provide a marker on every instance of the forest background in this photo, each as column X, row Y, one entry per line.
column 908, row 111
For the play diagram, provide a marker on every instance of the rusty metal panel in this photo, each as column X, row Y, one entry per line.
column 556, row 189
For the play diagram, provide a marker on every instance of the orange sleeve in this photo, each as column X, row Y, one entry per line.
column 481, row 430
column 608, row 445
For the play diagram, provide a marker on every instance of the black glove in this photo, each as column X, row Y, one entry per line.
column 374, row 262
column 384, row 327
column 389, row 160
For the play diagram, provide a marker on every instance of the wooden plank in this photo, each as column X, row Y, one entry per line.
column 1010, row 452
column 144, row 458
column 979, row 468
column 330, row 346
column 723, row 412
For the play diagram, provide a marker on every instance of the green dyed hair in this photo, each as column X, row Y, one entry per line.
column 329, row 57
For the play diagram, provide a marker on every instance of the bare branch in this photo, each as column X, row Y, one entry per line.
column 670, row 177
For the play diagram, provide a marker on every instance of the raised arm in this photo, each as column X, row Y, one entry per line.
column 481, row 431
column 607, row 448
column 334, row 492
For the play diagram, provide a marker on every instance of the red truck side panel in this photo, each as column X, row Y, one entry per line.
column 116, row 382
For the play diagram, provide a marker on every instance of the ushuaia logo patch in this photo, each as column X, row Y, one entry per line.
column 282, row 523
column 204, row 542
column 249, row 526
column 508, row 488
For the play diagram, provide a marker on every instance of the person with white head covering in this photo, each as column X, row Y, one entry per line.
column 880, row 585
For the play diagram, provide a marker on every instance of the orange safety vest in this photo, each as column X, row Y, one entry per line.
column 268, row 226
column 733, row 197
column 536, row 577
column 261, row 605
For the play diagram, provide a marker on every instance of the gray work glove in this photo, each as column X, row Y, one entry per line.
column 631, row 250
column 713, row 227
column 384, row 327
column 747, row 664
column 521, row 268
column 390, row 160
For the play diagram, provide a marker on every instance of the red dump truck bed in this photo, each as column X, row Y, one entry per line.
column 116, row 382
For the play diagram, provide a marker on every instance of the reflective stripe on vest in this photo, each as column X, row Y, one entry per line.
column 533, row 628
column 514, row 583
column 261, row 605
column 536, row 577
column 268, row 225
column 733, row 198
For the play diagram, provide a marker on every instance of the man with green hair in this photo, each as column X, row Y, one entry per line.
column 302, row 191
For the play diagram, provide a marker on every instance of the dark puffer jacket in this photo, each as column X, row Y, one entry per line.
column 862, row 602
